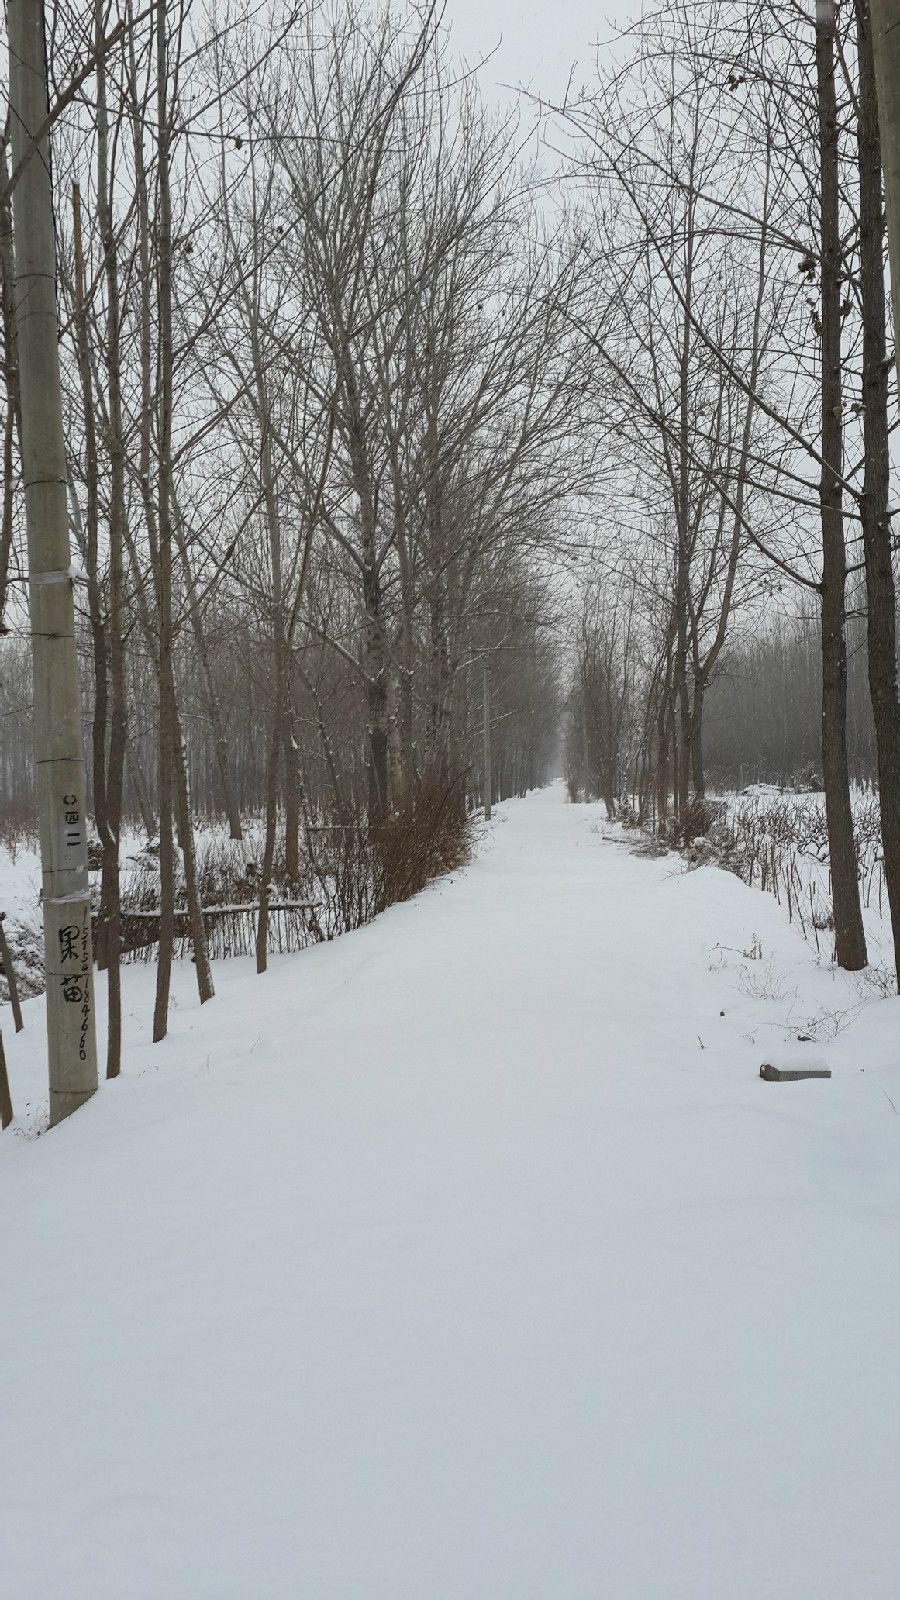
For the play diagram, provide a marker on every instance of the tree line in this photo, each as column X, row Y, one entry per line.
column 319, row 390
column 730, row 166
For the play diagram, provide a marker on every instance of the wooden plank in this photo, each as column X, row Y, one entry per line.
column 226, row 911
column 790, row 1075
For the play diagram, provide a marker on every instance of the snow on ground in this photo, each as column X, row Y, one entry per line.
column 20, row 884
column 468, row 1258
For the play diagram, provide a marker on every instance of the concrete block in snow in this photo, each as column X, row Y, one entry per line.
column 791, row 1068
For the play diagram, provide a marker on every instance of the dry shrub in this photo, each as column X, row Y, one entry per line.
column 702, row 816
column 363, row 867
column 341, row 857
column 428, row 835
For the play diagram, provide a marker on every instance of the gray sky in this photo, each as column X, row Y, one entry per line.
column 540, row 38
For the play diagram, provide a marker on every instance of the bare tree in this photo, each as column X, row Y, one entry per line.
column 886, row 57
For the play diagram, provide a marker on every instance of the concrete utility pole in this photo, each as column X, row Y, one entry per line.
column 488, row 759
column 885, row 22
column 58, row 748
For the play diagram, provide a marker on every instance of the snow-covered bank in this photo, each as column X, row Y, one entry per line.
column 467, row 1258
column 778, row 839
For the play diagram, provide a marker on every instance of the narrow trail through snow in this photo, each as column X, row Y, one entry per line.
column 467, row 1258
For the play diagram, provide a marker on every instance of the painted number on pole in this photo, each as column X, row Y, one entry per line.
column 71, row 831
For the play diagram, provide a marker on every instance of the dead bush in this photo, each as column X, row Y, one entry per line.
column 363, row 867
column 425, row 837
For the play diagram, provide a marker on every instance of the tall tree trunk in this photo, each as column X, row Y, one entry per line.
column 110, row 899
column 139, row 785
column 165, row 776
column 189, row 858
column 211, row 695
column 681, row 708
column 405, row 671
column 876, row 527
column 663, row 745
column 6, row 516
column 487, row 759
column 13, row 417
column 91, row 556
column 676, row 747
column 682, row 557
column 220, row 737
column 698, row 777
column 438, row 654
column 279, row 651
column 585, row 740
column 222, row 748
column 376, row 681
column 268, row 860
column 166, row 750
column 173, row 788
column 850, row 942
column 327, row 747
column 886, row 51
column 6, row 1109
column 292, row 784
column 59, row 753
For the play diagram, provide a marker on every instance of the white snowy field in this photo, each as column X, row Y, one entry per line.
column 468, row 1258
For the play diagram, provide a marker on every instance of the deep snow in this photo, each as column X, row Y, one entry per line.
column 468, row 1258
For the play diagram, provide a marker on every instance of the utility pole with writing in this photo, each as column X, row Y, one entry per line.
column 58, row 746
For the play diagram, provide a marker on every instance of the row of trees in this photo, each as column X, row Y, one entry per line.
column 762, row 718
column 322, row 411
column 731, row 168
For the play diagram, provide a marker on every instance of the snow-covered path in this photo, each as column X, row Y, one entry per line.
column 468, row 1258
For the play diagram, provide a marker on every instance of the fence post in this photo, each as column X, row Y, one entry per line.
column 6, row 1111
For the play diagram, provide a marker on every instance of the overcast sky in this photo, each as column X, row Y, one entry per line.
column 540, row 38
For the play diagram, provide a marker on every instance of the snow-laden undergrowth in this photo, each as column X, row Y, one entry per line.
column 776, row 840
